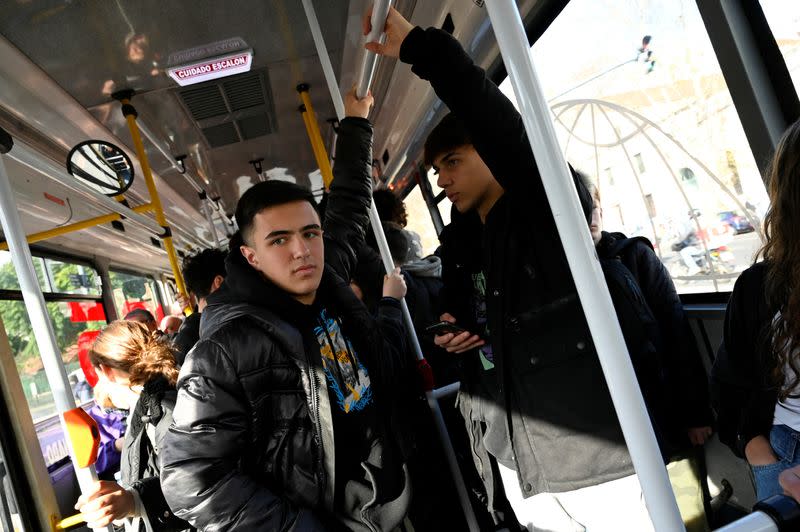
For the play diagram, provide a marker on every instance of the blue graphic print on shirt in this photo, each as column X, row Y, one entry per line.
column 347, row 377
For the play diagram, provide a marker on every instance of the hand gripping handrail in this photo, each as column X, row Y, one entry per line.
column 380, row 10
column 585, row 267
column 379, row 14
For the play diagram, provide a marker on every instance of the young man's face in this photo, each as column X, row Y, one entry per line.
column 285, row 245
column 464, row 176
column 596, row 226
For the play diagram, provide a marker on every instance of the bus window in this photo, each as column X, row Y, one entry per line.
column 640, row 104
column 68, row 278
column 419, row 218
column 784, row 19
column 132, row 291
column 8, row 277
column 76, row 311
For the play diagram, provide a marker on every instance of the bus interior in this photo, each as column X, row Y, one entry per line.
column 673, row 109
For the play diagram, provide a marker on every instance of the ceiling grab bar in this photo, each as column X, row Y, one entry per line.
column 28, row 157
column 42, row 327
column 585, row 267
column 204, row 197
column 382, row 9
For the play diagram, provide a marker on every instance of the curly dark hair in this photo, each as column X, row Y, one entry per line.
column 781, row 252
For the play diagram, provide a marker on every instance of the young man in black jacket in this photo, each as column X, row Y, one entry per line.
column 282, row 415
column 203, row 272
column 542, row 422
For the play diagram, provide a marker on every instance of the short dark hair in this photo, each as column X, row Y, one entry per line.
column 264, row 195
column 140, row 314
column 448, row 134
column 583, row 186
column 390, row 207
column 200, row 270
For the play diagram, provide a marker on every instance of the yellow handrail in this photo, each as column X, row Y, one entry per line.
column 314, row 135
column 77, row 226
column 130, row 116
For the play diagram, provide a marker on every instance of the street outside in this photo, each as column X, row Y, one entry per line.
column 743, row 248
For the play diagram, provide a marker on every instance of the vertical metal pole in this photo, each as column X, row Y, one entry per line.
column 130, row 115
column 380, row 10
column 585, row 268
column 208, row 214
column 40, row 320
column 386, row 255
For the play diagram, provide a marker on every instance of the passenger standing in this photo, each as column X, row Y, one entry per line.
column 203, row 273
column 676, row 390
column 755, row 381
column 128, row 356
column 543, row 426
column 393, row 209
column 284, row 404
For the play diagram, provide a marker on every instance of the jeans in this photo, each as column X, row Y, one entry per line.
column 783, row 441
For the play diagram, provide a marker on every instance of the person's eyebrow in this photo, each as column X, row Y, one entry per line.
column 443, row 160
column 284, row 232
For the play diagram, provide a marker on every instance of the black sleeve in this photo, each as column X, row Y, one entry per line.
column 158, row 512
column 689, row 383
column 201, row 477
column 390, row 359
column 347, row 210
column 495, row 127
column 743, row 403
column 187, row 336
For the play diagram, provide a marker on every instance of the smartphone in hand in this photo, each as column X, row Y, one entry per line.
column 443, row 327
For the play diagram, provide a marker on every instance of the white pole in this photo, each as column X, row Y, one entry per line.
column 40, row 320
column 585, row 267
column 754, row 522
column 386, row 255
column 209, row 217
column 380, row 10
column 327, row 68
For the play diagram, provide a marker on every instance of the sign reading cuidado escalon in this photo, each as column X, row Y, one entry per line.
column 217, row 67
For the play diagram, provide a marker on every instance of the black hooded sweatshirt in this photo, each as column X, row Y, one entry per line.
column 270, row 433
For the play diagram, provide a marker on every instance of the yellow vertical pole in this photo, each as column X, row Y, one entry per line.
column 130, row 115
column 312, row 127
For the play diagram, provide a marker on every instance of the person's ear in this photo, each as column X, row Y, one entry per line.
column 217, row 282
column 249, row 255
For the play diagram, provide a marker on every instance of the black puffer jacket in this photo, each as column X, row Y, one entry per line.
column 252, row 446
column 562, row 431
column 139, row 469
column 683, row 371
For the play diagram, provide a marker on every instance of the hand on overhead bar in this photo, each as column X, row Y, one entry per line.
column 396, row 29
column 355, row 107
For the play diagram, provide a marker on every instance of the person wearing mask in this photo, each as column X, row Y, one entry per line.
column 129, row 357
column 543, row 428
column 203, row 273
column 284, row 405
column 755, row 380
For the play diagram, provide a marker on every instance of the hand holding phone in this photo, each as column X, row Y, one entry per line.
column 443, row 327
column 452, row 338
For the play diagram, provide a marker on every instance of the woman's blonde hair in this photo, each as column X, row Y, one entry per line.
column 130, row 347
